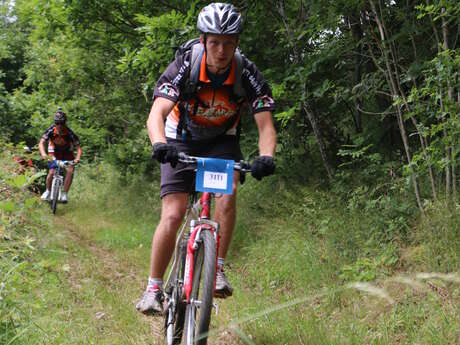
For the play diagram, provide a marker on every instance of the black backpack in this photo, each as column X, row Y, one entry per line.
column 197, row 53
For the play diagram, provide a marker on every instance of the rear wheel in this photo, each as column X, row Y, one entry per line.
column 198, row 311
column 175, row 314
column 174, row 324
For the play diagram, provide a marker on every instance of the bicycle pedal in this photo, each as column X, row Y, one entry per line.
column 216, row 306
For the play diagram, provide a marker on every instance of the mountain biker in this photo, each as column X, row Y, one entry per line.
column 212, row 114
column 61, row 144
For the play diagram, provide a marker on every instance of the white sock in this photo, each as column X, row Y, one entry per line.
column 220, row 263
column 155, row 281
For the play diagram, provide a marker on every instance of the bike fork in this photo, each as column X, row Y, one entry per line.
column 196, row 227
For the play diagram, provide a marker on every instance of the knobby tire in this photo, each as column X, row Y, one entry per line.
column 54, row 195
column 177, row 327
column 197, row 319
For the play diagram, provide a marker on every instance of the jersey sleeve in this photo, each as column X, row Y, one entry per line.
column 48, row 133
column 257, row 89
column 173, row 78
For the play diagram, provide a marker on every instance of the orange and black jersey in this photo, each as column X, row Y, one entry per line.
column 212, row 111
column 60, row 142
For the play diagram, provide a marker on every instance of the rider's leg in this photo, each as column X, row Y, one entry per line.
column 49, row 178
column 49, row 181
column 225, row 215
column 68, row 178
column 173, row 210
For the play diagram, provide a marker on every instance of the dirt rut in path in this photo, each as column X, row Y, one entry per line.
column 112, row 266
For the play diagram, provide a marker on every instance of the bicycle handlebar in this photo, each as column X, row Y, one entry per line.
column 242, row 166
column 63, row 163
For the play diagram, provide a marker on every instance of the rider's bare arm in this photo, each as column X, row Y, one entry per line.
column 267, row 133
column 41, row 147
column 156, row 122
column 79, row 152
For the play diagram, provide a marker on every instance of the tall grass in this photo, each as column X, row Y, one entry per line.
column 72, row 283
column 300, row 253
column 309, row 266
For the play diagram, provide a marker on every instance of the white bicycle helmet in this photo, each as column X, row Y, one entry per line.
column 220, row 18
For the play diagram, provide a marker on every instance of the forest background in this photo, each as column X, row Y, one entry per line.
column 367, row 96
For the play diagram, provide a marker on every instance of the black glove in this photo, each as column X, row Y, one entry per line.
column 262, row 166
column 165, row 153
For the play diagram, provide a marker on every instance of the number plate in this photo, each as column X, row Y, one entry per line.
column 214, row 175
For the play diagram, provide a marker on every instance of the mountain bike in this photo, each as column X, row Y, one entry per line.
column 58, row 182
column 189, row 288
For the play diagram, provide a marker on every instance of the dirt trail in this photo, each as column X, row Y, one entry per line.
column 113, row 266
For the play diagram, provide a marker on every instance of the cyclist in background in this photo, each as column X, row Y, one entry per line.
column 61, row 144
column 204, row 123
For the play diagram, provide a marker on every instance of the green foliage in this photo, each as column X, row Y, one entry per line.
column 18, row 233
column 50, row 288
column 134, row 157
column 438, row 239
column 100, row 62
column 297, row 253
column 158, row 46
column 369, row 269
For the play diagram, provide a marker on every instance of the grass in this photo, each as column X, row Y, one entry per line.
column 314, row 251
column 295, row 262
column 61, row 286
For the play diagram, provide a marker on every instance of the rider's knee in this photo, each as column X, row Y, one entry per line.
column 226, row 206
column 172, row 220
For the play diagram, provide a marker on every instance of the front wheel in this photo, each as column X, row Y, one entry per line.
column 56, row 185
column 198, row 311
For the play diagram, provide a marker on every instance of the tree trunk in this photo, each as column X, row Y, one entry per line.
column 424, row 145
column 357, row 33
column 319, row 138
column 450, row 170
column 396, row 94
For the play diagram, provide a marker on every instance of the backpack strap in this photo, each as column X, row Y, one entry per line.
column 190, row 84
column 238, row 88
column 195, row 63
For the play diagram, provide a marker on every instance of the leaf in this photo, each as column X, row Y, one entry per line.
column 8, row 206
column 29, row 202
column 17, row 182
column 320, row 91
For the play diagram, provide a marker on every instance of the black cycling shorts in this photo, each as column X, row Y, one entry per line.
column 182, row 178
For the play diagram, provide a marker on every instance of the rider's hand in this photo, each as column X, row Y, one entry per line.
column 262, row 166
column 165, row 153
column 75, row 161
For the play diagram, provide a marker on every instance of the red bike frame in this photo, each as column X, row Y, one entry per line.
column 203, row 224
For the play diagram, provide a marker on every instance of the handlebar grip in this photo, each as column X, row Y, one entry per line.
column 182, row 155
